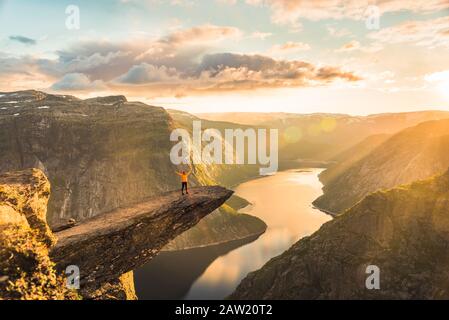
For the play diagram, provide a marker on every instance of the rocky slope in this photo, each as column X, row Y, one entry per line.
column 100, row 154
column 403, row 231
column 414, row 153
column 26, row 271
column 105, row 248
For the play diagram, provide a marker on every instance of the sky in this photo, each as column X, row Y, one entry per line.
column 354, row 56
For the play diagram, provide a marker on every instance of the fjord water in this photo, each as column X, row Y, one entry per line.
column 283, row 201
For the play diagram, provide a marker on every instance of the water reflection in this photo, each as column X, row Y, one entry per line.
column 283, row 201
column 170, row 275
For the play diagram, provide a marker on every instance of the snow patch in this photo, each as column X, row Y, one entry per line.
column 44, row 107
column 16, row 114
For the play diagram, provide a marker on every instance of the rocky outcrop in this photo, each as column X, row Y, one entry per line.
column 412, row 154
column 26, row 271
column 121, row 288
column 105, row 248
column 24, row 196
column 112, row 244
column 403, row 231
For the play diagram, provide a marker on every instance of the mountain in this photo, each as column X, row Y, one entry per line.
column 404, row 232
column 101, row 154
column 412, row 154
column 323, row 136
column 349, row 157
column 246, row 118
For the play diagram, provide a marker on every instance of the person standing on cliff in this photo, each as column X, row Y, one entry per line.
column 184, row 180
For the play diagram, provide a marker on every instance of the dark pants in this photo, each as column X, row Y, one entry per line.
column 184, row 186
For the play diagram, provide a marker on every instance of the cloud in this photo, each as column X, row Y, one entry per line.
column 180, row 63
column 430, row 33
column 290, row 11
column 329, row 74
column 350, row 46
column 261, row 35
column 289, row 47
column 202, row 34
column 233, row 72
column 438, row 76
column 228, row 2
column 23, row 40
column 147, row 73
column 338, row 33
column 77, row 82
column 107, row 60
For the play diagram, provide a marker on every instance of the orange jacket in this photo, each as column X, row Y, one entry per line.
column 184, row 176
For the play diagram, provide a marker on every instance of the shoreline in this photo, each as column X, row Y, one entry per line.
column 330, row 213
column 253, row 236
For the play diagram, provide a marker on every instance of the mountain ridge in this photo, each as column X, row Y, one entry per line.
column 412, row 154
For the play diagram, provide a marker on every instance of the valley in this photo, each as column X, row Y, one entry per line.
column 384, row 185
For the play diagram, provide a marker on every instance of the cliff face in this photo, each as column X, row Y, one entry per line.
column 26, row 271
column 414, row 153
column 100, row 154
column 403, row 231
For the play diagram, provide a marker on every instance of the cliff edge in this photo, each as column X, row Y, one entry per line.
column 105, row 248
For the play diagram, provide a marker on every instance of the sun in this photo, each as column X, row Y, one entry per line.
column 441, row 82
column 443, row 88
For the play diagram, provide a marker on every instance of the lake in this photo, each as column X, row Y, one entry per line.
column 283, row 201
